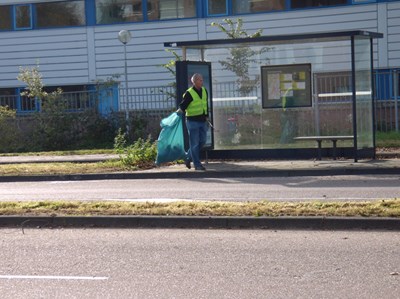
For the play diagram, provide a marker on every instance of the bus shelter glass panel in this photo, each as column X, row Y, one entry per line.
column 243, row 119
column 363, row 80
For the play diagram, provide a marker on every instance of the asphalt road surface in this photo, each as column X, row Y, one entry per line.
column 229, row 189
column 161, row 263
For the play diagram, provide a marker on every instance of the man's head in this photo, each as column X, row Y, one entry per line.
column 197, row 80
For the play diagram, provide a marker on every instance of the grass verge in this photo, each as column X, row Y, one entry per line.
column 388, row 139
column 379, row 208
column 63, row 168
column 62, row 153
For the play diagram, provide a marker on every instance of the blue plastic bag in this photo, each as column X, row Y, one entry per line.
column 170, row 142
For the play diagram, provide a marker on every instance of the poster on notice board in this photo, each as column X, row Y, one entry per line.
column 286, row 86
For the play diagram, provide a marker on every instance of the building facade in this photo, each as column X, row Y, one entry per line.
column 76, row 42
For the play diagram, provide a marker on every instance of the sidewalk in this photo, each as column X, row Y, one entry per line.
column 215, row 169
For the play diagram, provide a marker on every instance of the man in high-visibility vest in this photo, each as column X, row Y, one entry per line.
column 195, row 106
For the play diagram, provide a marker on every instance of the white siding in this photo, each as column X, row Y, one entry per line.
column 393, row 38
column 62, row 55
column 145, row 52
column 357, row 17
column 307, row 21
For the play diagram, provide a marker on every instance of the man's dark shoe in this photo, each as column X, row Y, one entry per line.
column 187, row 163
column 201, row 168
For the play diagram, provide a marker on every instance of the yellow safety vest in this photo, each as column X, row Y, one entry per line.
column 199, row 105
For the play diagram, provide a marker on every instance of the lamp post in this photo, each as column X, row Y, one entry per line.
column 124, row 37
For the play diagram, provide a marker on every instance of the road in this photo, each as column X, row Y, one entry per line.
column 161, row 263
column 229, row 189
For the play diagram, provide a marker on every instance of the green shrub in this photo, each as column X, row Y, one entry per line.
column 142, row 153
column 56, row 127
column 9, row 129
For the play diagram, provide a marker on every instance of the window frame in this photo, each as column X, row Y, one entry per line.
column 201, row 11
column 98, row 23
column 197, row 12
column 227, row 9
column 35, row 16
column 15, row 7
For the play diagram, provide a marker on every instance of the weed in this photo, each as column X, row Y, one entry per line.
column 141, row 154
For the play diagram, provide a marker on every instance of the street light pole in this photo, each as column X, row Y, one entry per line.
column 124, row 37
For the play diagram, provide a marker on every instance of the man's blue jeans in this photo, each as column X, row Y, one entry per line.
column 197, row 138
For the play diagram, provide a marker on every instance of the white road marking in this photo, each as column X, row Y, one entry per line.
column 52, row 277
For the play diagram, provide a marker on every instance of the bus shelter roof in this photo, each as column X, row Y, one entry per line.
column 275, row 39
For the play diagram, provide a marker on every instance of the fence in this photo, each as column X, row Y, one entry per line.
column 156, row 102
column 74, row 101
column 387, row 100
column 19, row 103
column 147, row 99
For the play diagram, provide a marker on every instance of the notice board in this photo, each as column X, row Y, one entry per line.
column 286, row 86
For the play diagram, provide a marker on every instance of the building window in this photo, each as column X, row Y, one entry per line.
column 250, row 6
column 5, row 17
column 57, row 14
column 363, row 1
column 170, row 9
column 23, row 16
column 118, row 11
column 316, row 3
column 216, row 7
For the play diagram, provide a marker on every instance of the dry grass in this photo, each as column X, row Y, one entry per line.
column 62, row 153
column 380, row 208
column 61, row 168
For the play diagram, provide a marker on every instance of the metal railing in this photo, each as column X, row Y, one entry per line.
column 387, row 100
column 72, row 101
column 19, row 103
column 147, row 98
column 158, row 101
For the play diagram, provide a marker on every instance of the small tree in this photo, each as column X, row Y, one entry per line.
column 238, row 63
column 54, row 127
column 170, row 66
column 241, row 56
column 35, row 88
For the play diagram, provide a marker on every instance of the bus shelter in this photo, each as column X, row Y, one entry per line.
column 286, row 96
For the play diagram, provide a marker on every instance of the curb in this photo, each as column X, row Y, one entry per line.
column 205, row 174
column 204, row 222
column 44, row 161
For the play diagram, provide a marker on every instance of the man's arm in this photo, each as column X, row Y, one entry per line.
column 187, row 99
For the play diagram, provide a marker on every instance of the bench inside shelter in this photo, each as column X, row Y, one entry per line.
column 319, row 140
